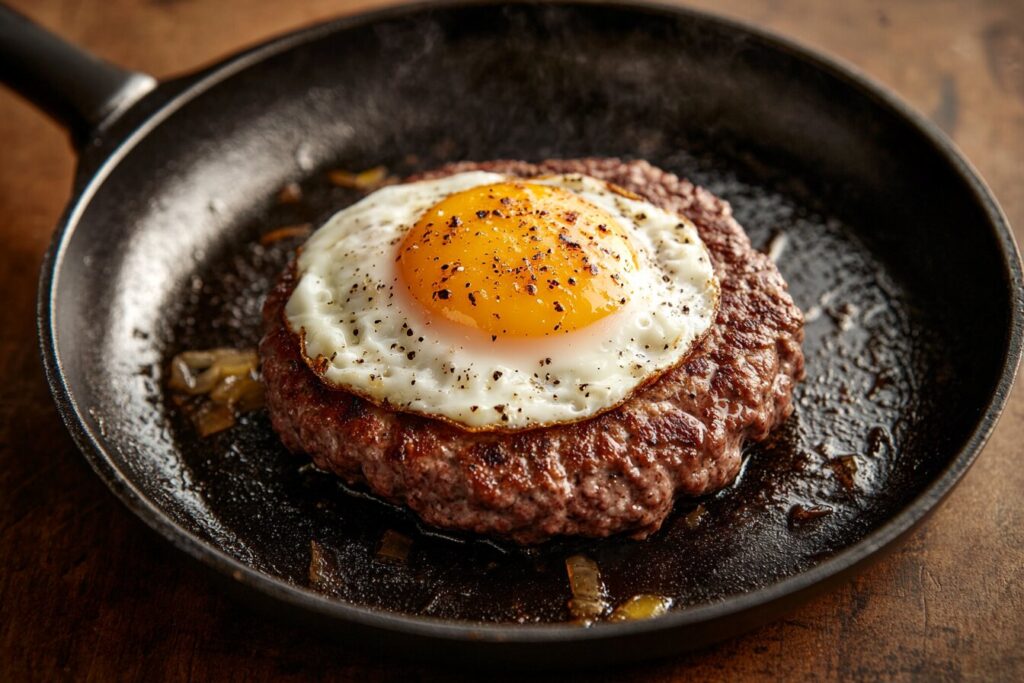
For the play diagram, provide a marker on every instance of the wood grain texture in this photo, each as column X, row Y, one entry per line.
column 87, row 593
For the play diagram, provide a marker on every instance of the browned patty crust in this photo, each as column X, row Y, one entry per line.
column 618, row 472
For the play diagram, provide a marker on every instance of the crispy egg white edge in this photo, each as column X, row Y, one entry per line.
column 360, row 338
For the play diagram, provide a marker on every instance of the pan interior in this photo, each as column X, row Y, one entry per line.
column 883, row 247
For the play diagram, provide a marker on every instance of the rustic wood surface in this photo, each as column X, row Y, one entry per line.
column 86, row 592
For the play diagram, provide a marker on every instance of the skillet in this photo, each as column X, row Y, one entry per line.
column 893, row 246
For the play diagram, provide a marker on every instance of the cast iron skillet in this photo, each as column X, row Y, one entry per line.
column 891, row 243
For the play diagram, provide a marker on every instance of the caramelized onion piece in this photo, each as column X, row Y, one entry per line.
column 318, row 564
column 643, row 606
column 394, row 547
column 211, row 418
column 588, row 602
column 213, row 385
column 287, row 232
column 197, row 372
column 369, row 179
column 694, row 517
column 242, row 392
column 291, row 193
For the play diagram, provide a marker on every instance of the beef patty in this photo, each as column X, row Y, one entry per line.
column 618, row 472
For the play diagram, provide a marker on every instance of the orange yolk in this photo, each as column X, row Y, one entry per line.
column 517, row 259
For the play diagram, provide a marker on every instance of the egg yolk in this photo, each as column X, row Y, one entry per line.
column 517, row 259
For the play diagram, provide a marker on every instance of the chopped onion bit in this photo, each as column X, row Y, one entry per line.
column 287, row 232
column 317, row 562
column 643, row 606
column 369, row 179
column 694, row 516
column 214, row 385
column 210, row 418
column 394, row 547
column 291, row 193
column 588, row 601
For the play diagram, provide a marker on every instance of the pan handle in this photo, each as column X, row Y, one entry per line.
column 80, row 91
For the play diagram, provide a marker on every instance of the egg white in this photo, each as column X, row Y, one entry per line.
column 362, row 331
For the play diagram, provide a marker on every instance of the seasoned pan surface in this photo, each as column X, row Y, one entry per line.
column 901, row 262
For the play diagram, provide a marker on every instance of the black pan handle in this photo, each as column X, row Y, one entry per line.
column 80, row 91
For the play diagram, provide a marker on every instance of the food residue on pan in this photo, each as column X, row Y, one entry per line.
column 694, row 517
column 302, row 230
column 214, row 386
column 394, row 547
column 800, row 515
column 642, row 606
column 589, row 603
column 370, row 179
column 290, row 193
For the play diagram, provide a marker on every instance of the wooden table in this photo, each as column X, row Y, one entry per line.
column 86, row 592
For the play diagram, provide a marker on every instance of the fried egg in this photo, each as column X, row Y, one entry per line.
column 500, row 303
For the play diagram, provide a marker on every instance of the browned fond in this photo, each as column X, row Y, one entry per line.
column 619, row 472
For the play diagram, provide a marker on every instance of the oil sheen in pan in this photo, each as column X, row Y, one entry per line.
column 839, row 467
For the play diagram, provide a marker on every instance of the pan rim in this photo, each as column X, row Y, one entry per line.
column 913, row 512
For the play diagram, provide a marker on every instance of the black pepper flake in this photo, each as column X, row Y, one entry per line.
column 559, row 307
column 472, row 298
column 568, row 242
column 481, row 214
column 473, row 409
column 531, row 289
column 494, row 337
column 443, row 294
column 572, row 281
column 410, row 355
column 454, row 222
column 497, row 375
